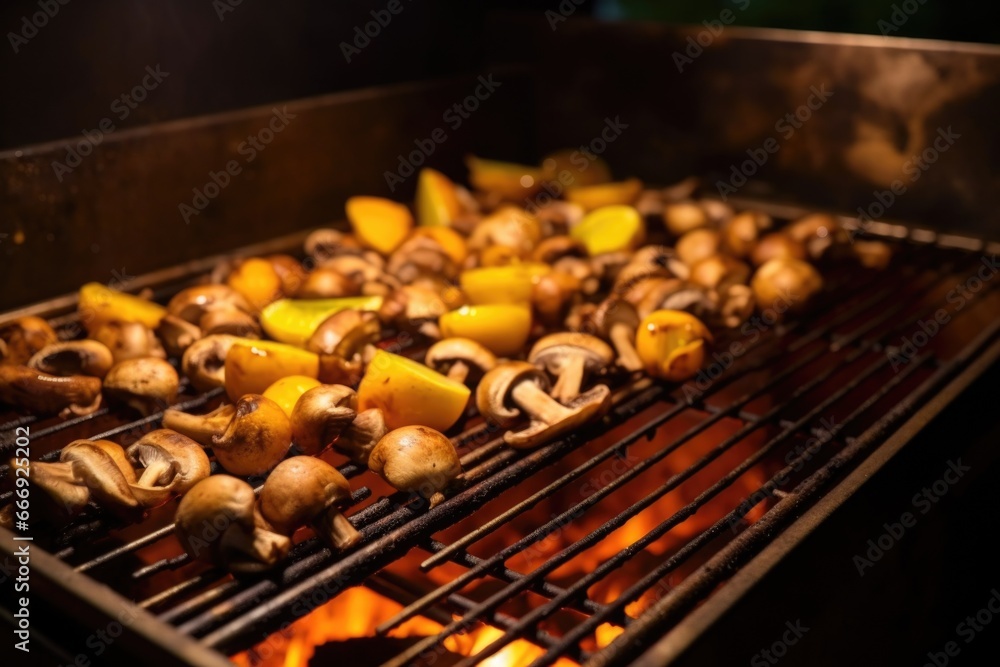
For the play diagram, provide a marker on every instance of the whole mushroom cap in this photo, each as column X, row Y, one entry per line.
column 257, row 438
column 24, row 337
column 299, row 489
column 147, row 384
column 204, row 362
column 416, row 458
column 320, row 415
column 128, row 340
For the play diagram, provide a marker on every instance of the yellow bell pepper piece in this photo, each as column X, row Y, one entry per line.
column 287, row 391
column 511, row 181
column 591, row 197
column 610, row 229
column 574, row 169
column 380, row 224
column 671, row 344
column 513, row 283
column 257, row 280
column 410, row 393
column 99, row 304
column 451, row 241
column 502, row 328
column 293, row 321
column 253, row 367
column 437, row 200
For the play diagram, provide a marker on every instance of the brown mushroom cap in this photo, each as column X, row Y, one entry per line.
column 232, row 321
column 40, row 392
column 698, row 244
column 320, row 415
column 192, row 303
column 177, row 335
column 128, row 340
column 463, row 354
column 204, row 362
column 777, row 244
column 23, row 337
column 556, row 247
column 171, row 464
column 76, row 357
column 359, row 439
column 740, row 234
column 303, row 490
column 682, row 217
column 103, row 467
column 785, row 284
column 289, row 270
column 345, row 334
column 325, row 282
column 68, row 493
column 257, row 438
column 417, row 459
column 215, row 524
column 719, row 272
column 676, row 294
column 571, row 357
column 147, row 385
column 420, row 256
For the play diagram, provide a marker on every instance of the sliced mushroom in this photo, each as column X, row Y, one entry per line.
column 171, row 464
column 104, row 468
column 673, row 294
column 461, row 359
column 736, row 306
column 616, row 320
column 581, row 270
column 326, row 244
column 305, row 490
column 177, row 335
column 65, row 493
column 359, row 439
column 411, row 306
column 40, row 392
column 128, row 340
column 363, row 271
column 552, row 296
column 342, row 341
column 147, row 385
column 516, row 388
column 23, row 337
column 232, row 321
column 192, row 303
column 204, row 362
column 76, row 357
column 571, row 357
column 320, row 415
column 215, row 524
column 256, row 438
column 417, row 459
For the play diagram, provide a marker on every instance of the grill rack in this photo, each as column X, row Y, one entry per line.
column 226, row 616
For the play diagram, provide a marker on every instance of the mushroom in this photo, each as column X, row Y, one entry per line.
column 359, row 439
column 777, row 244
column 147, row 385
column 557, row 247
column 682, row 217
column 320, row 415
column 200, row 428
column 289, row 270
column 77, row 357
column 324, row 282
column 698, row 244
column 552, row 296
column 177, row 335
column 66, row 495
column 736, row 306
column 192, row 303
column 413, row 306
column 571, row 357
column 41, row 392
column 22, row 338
column 231, row 321
column 419, row 256
column 581, row 270
column 718, row 272
column 673, row 294
column 128, row 340
column 362, row 271
column 740, row 234
column 616, row 320
column 305, row 490
column 341, row 341
column 785, row 284
column 461, row 359
column 325, row 244
column 417, row 459
column 103, row 467
column 215, row 524
column 873, row 254
column 204, row 362
column 671, row 344
column 557, row 216
column 718, row 212
column 817, row 232
column 508, row 226
column 514, row 388
column 171, row 464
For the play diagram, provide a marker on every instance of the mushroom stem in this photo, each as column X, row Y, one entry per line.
column 458, row 372
column 334, row 527
column 200, row 428
column 567, row 386
column 151, row 475
column 254, row 551
column 539, row 405
column 436, row 499
column 622, row 337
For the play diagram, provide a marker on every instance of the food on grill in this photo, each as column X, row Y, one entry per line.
column 418, row 459
column 681, row 217
column 146, row 384
column 742, row 232
column 99, row 304
column 294, row 321
column 343, row 341
column 204, row 361
column 410, row 393
column 177, row 335
column 785, row 284
column 436, row 200
column 671, row 344
column 511, row 181
column 698, row 244
column 591, row 197
column 43, row 393
column 359, row 439
column 320, row 415
column 287, row 391
column 380, row 224
column 610, row 229
column 257, row 281
column 818, row 232
column 616, row 320
column 513, row 283
column 304, row 490
column 22, row 338
column 248, row 438
column 75, row 357
column 571, row 358
column 253, row 366
column 460, row 359
column 777, row 245
column 503, row 328
column 215, row 524
column 873, row 254
column 128, row 340
column 517, row 389
column 168, row 463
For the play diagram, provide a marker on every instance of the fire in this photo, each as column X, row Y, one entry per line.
column 355, row 613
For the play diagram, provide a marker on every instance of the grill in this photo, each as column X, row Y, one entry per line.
column 621, row 542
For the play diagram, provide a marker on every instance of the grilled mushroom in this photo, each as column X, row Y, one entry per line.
column 305, row 490
column 128, row 340
column 215, row 524
column 341, row 342
column 103, row 467
column 359, row 439
column 171, row 464
column 420, row 256
column 873, row 254
column 40, row 392
column 147, row 385
column 698, row 244
column 719, row 272
column 22, row 338
column 66, row 495
column 554, row 248
column 177, row 335
column 673, row 294
column 516, row 388
column 77, row 357
column 461, row 359
column 616, row 320
column 320, row 415
column 231, row 321
column 740, row 235
column 571, row 357
column 785, row 284
column 324, row 282
column 193, row 303
column 777, row 244
column 817, row 232
column 204, row 362
column 682, row 217
column 416, row 459
column 200, row 428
